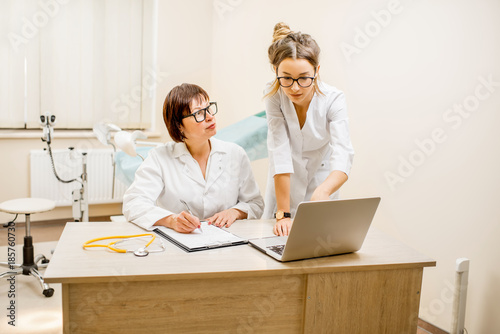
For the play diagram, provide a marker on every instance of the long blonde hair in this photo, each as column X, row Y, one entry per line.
column 295, row 45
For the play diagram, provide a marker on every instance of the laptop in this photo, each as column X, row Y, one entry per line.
column 322, row 228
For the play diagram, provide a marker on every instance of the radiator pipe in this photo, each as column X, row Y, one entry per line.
column 460, row 296
column 84, row 199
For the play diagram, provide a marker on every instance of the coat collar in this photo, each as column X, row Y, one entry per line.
column 215, row 167
column 180, row 149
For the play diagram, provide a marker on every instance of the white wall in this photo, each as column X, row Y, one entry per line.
column 184, row 45
column 429, row 57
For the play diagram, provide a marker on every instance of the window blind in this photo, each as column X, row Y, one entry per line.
column 18, row 51
column 85, row 63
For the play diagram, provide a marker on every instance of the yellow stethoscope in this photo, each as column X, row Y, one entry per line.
column 142, row 251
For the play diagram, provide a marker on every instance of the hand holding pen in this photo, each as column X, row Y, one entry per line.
column 189, row 211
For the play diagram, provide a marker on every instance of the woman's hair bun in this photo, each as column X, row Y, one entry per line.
column 281, row 30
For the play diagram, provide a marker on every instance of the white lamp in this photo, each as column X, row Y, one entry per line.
column 127, row 142
column 103, row 132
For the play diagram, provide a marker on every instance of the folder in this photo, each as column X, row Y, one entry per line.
column 211, row 237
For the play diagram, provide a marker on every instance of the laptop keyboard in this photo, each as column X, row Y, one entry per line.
column 277, row 249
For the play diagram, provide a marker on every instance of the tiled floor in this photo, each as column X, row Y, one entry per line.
column 36, row 313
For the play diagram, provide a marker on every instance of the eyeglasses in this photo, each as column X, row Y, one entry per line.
column 201, row 115
column 303, row 82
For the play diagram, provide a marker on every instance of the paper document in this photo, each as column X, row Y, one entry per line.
column 211, row 237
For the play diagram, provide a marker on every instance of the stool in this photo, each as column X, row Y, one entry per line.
column 27, row 206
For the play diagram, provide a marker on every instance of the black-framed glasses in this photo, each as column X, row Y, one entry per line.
column 303, row 82
column 201, row 115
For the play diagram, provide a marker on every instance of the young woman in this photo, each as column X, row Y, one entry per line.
column 310, row 151
column 195, row 176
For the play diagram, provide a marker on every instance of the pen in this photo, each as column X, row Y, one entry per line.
column 188, row 210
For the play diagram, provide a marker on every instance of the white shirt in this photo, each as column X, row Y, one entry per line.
column 310, row 154
column 170, row 174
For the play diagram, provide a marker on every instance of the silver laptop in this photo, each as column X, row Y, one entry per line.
column 322, row 228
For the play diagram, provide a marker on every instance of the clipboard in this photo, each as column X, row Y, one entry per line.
column 211, row 237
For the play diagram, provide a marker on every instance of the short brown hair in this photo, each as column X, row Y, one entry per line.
column 295, row 45
column 177, row 105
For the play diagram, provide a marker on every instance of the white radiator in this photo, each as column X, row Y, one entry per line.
column 68, row 165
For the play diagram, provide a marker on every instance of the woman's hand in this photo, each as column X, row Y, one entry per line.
column 282, row 227
column 226, row 218
column 182, row 223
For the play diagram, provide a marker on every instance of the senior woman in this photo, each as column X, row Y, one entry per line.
column 195, row 177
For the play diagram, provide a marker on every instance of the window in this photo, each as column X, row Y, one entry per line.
column 84, row 61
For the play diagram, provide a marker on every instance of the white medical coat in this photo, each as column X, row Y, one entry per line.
column 170, row 174
column 309, row 154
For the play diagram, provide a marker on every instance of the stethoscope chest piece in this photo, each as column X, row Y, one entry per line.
column 141, row 252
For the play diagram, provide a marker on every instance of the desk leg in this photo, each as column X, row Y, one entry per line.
column 65, row 308
column 385, row 301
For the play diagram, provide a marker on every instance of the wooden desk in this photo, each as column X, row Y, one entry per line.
column 236, row 289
